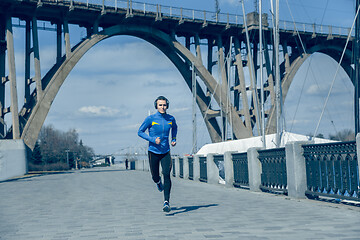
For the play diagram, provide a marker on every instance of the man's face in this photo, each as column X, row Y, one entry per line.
column 161, row 106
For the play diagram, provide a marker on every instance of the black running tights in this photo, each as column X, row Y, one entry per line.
column 166, row 164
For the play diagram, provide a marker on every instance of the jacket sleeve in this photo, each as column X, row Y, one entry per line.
column 141, row 132
column 174, row 131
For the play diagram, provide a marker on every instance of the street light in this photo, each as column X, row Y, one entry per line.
column 67, row 157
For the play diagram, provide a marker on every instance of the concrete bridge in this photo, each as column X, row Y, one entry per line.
column 180, row 34
column 112, row 203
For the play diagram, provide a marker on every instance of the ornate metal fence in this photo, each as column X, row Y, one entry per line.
column 332, row 170
column 203, row 169
column 219, row 161
column 241, row 173
column 191, row 168
column 273, row 163
column 181, row 166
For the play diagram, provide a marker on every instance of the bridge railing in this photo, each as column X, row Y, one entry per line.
column 331, row 170
column 173, row 167
column 191, row 167
column 299, row 169
column 219, row 161
column 186, row 14
column 181, row 167
column 203, row 169
column 273, row 163
column 314, row 28
column 241, row 173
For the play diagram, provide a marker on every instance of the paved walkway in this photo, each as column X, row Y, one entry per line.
column 111, row 203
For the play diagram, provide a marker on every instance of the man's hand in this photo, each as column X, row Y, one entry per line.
column 157, row 140
column 173, row 143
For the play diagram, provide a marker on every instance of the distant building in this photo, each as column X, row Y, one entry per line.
column 103, row 161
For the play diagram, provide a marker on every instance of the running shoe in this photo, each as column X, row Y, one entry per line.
column 160, row 187
column 166, row 207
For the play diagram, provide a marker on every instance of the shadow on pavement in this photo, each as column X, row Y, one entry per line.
column 102, row 170
column 177, row 210
column 36, row 174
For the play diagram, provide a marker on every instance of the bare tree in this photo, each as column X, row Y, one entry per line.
column 343, row 135
column 60, row 149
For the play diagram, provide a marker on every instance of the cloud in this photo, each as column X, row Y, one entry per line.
column 132, row 126
column 99, row 111
column 302, row 121
column 159, row 83
column 140, row 56
column 231, row 2
column 315, row 89
column 184, row 109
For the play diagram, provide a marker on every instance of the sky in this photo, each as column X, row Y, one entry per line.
column 111, row 90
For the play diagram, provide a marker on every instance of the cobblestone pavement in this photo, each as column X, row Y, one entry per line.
column 112, row 203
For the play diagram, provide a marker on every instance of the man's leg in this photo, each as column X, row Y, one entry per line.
column 166, row 165
column 154, row 161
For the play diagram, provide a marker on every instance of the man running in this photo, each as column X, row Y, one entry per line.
column 159, row 126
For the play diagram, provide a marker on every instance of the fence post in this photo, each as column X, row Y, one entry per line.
column 139, row 165
column 196, row 168
column 358, row 152
column 177, row 166
column 296, row 169
column 146, row 165
column 136, row 164
column 185, row 167
column 229, row 169
column 212, row 170
column 254, row 168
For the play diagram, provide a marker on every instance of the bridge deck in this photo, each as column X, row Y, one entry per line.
column 111, row 203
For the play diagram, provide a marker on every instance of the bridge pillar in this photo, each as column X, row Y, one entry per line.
column 296, row 169
column 196, row 168
column 286, row 56
column 223, row 86
column 254, row 168
column 242, row 87
column 2, row 73
column 12, row 79
column 67, row 39
column 229, row 169
column 27, row 61
column 13, row 161
column 197, row 47
column 39, row 91
column 210, row 62
column 270, row 75
column 177, row 167
column 185, row 168
column 58, row 43
column 212, row 170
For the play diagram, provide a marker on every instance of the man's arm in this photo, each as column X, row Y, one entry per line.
column 173, row 132
column 141, row 132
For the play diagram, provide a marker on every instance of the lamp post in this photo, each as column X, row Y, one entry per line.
column 67, row 157
column 356, row 70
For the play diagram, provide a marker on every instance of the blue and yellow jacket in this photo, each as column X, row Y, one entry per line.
column 159, row 125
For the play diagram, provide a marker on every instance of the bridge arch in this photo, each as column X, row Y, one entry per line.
column 180, row 56
column 296, row 62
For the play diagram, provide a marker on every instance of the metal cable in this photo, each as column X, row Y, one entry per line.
column 337, row 69
column 309, row 67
